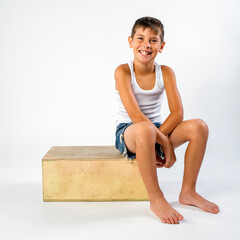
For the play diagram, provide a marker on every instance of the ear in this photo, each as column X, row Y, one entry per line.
column 162, row 46
column 130, row 41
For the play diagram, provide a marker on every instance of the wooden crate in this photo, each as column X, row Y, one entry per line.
column 90, row 173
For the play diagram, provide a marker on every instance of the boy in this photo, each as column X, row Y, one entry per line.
column 139, row 88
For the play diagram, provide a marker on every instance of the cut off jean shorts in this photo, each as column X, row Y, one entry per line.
column 121, row 146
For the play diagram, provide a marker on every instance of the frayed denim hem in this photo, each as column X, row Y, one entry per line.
column 125, row 150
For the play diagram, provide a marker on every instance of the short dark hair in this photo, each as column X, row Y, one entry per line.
column 153, row 23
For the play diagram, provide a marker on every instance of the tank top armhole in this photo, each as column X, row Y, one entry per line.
column 161, row 77
column 130, row 69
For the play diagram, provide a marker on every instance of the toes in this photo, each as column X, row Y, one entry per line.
column 179, row 216
column 175, row 218
column 168, row 220
column 215, row 209
column 163, row 220
column 171, row 220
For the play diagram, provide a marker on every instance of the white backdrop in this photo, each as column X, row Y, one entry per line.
column 57, row 63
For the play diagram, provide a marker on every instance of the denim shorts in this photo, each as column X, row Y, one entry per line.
column 121, row 146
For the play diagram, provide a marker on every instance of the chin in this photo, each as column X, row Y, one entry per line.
column 146, row 60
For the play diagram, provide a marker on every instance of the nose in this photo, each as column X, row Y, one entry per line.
column 146, row 44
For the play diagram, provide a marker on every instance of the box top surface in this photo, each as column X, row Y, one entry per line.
column 82, row 152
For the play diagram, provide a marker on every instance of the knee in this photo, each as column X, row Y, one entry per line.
column 199, row 129
column 146, row 132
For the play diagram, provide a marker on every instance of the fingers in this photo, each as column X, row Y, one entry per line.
column 164, row 163
column 169, row 164
column 159, row 162
column 159, row 165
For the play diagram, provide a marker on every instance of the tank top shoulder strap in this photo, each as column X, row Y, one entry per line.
column 130, row 64
column 159, row 75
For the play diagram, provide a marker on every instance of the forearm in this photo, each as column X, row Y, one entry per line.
column 170, row 123
column 162, row 139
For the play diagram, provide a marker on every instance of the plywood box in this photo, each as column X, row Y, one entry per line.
column 90, row 173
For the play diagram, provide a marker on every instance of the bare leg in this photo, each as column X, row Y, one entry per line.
column 195, row 131
column 141, row 138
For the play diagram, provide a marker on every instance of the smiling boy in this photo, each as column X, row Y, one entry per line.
column 141, row 132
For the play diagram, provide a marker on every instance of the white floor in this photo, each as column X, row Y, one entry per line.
column 24, row 215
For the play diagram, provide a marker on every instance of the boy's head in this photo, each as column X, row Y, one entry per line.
column 147, row 38
column 149, row 22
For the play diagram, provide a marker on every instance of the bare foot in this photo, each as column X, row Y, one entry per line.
column 194, row 199
column 164, row 211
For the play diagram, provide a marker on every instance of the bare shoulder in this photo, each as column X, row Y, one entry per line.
column 168, row 74
column 122, row 74
column 123, row 86
column 166, row 70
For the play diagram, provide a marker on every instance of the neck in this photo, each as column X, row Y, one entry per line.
column 143, row 68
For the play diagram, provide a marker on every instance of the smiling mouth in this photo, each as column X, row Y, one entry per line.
column 145, row 53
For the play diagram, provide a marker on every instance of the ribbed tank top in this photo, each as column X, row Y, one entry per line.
column 149, row 101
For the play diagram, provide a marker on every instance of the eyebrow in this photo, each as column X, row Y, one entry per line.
column 143, row 36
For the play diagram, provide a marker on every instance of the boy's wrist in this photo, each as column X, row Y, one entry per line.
column 167, row 144
column 162, row 139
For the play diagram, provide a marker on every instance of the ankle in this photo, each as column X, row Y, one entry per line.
column 154, row 197
column 188, row 190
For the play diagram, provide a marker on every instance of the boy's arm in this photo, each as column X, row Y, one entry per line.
column 123, row 81
column 174, row 101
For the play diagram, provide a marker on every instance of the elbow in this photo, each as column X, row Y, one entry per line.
column 178, row 116
column 139, row 118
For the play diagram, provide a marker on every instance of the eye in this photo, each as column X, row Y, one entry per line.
column 140, row 38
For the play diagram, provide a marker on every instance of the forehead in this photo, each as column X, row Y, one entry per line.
column 147, row 32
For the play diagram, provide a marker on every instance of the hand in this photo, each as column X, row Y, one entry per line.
column 159, row 161
column 170, row 157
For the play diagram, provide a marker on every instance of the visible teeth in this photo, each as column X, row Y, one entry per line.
column 144, row 53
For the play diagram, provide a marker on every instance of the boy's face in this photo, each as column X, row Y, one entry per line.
column 146, row 44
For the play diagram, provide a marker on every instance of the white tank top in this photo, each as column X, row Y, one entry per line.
column 149, row 101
